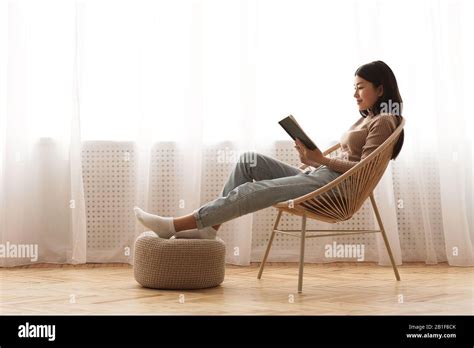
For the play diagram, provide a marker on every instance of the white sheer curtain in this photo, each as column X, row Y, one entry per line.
column 41, row 190
column 204, row 73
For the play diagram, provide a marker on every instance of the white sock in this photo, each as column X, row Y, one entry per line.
column 162, row 226
column 205, row 233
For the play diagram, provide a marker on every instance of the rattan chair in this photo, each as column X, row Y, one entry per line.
column 338, row 201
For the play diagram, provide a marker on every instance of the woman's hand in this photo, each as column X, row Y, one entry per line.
column 307, row 156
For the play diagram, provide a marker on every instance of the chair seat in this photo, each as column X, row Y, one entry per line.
column 316, row 209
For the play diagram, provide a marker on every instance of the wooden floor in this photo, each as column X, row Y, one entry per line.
column 329, row 289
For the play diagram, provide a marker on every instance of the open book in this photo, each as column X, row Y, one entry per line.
column 292, row 127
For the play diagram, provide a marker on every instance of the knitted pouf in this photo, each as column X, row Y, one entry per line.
column 178, row 263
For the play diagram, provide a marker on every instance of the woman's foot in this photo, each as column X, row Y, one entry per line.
column 205, row 233
column 162, row 226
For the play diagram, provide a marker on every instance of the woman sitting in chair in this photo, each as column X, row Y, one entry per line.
column 380, row 105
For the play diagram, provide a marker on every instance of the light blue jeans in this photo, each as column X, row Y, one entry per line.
column 275, row 181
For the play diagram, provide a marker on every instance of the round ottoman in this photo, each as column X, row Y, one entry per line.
column 178, row 263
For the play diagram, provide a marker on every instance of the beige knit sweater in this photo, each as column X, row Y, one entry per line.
column 361, row 139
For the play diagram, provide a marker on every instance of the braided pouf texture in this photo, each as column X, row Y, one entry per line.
column 178, row 263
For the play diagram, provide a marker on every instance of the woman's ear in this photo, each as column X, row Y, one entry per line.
column 380, row 90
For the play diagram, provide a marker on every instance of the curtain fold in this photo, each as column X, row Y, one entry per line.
column 110, row 104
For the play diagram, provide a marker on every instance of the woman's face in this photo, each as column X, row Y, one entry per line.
column 365, row 93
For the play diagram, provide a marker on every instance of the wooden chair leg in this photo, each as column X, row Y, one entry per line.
column 385, row 239
column 267, row 251
column 303, row 236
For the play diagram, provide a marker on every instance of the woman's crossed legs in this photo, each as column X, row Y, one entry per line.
column 275, row 181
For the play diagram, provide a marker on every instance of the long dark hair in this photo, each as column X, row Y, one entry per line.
column 379, row 73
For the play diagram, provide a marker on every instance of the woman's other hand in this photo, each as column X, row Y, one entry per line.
column 307, row 156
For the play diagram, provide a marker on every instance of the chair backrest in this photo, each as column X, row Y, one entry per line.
column 340, row 199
